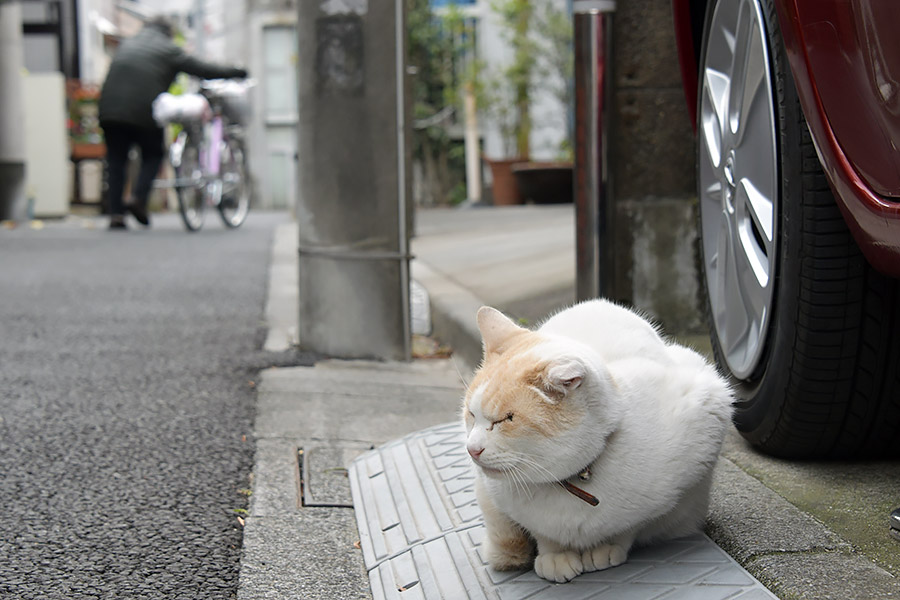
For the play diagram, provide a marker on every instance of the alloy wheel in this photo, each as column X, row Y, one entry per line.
column 738, row 182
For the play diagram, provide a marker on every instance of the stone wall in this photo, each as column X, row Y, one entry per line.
column 653, row 173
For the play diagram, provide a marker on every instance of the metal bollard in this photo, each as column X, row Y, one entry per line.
column 594, row 207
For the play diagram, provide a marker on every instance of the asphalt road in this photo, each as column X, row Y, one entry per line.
column 127, row 362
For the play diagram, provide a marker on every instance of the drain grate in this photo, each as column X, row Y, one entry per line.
column 421, row 534
column 323, row 474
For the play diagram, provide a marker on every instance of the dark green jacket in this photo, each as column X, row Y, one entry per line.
column 145, row 66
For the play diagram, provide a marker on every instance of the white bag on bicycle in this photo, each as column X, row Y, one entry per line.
column 180, row 109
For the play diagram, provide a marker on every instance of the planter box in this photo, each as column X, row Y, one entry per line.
column 544, row 182
column 505, row 188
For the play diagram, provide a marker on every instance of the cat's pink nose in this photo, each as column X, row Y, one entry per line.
column 474, row 452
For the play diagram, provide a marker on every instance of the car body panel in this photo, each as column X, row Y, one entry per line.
column 686, row 38
column 847, row 74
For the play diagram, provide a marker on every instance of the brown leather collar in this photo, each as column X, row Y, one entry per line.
column 579, row 493
column 583, row 475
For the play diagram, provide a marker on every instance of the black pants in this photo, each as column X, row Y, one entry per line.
column 120, row 137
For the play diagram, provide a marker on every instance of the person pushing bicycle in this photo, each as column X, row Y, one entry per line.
column 144, row 66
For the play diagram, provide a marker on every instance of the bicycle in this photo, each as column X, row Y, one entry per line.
column 208, row 154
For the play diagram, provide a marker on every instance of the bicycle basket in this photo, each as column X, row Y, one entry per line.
column 184, row 109
column 236, row 107
column 232, row 96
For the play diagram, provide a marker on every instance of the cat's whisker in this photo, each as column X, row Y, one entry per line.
column 510, row 477
column 532, row 479
column 459, row 374
column 519, row 480
column 524, row 477
column 531, row 462
column 513, row 477
column 529, row 490
column 520, row 483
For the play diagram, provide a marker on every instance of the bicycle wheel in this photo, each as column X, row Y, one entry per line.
column 189, row 187
column 236, row 189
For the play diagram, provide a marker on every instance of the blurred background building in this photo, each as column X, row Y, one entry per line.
column 72, row 42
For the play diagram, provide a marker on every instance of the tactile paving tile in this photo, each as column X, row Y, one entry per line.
column 421, row 533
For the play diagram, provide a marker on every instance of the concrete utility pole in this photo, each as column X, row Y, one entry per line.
column 353, row 212
column 12, row 112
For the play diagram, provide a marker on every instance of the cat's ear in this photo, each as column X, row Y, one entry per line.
column 563, row 377
column 496, row 329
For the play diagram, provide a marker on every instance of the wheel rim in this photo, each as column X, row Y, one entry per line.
column 738, row 181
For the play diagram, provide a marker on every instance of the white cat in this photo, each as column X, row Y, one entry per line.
column 589, row 435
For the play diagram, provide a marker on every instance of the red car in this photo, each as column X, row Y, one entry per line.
column 796, row 106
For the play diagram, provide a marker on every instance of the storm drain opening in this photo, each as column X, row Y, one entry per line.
column 323, row 474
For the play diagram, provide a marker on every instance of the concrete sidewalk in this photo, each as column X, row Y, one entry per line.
column 301, row 535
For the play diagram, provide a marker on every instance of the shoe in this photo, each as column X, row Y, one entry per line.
column 117, row 222
column 139, row 213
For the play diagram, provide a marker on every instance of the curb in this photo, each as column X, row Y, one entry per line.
column 453, row 310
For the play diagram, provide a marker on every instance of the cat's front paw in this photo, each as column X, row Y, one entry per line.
column 558, row 566
column 603, row 557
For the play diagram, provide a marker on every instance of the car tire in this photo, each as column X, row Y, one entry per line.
column 812, row 344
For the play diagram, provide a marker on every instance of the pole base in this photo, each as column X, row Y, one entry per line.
column 13, row 206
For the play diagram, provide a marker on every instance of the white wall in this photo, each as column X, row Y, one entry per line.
column 46, row 146
column 548, row 115
column 94, row 16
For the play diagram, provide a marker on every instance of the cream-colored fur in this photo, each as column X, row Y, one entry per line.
column 595, row 386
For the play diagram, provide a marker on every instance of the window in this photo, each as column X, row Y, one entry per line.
column 280, row 77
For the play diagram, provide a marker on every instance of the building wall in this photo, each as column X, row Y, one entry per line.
column 273, row 129
column 95, row 17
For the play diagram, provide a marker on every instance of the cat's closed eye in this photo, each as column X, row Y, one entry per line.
column 508, row 417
